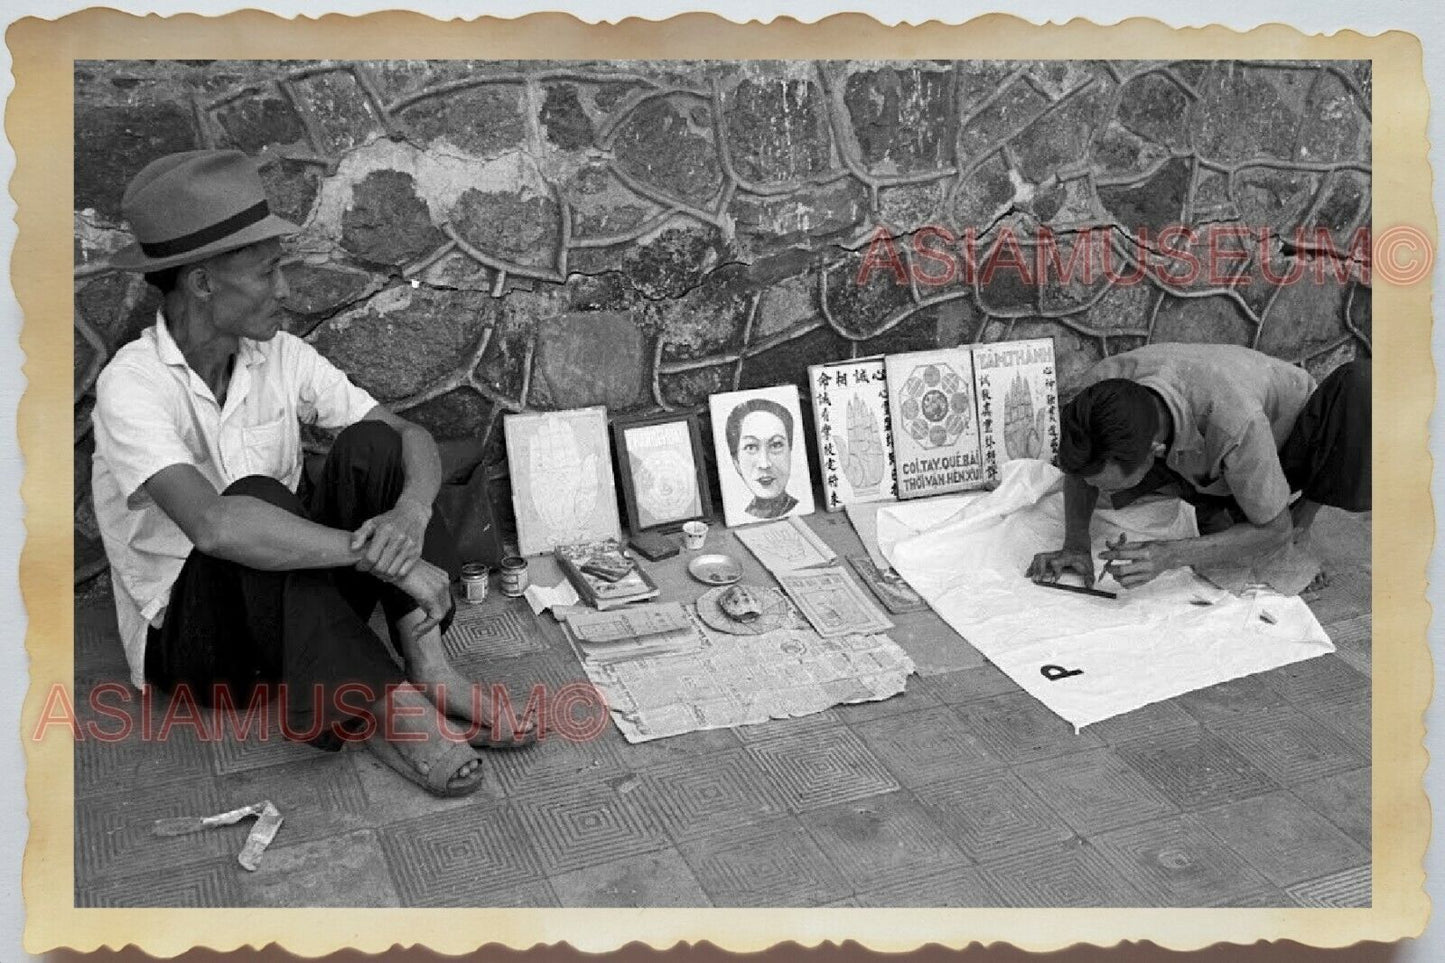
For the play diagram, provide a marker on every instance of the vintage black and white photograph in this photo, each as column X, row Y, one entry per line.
column 1136, row 670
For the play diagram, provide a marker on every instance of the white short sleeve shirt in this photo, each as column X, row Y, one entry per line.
column 153, row 411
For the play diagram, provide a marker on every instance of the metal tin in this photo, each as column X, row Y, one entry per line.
column 474, row 582
column 514, row 579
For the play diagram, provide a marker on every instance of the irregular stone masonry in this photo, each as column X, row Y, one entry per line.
column 471, row 227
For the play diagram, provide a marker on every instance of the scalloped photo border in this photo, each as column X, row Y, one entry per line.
column 39, row 123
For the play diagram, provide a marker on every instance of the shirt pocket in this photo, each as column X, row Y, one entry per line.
column 270, row 448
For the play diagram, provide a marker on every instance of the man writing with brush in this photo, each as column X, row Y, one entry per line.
column 1230, row 430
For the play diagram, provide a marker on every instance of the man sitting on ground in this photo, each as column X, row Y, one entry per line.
column 1228, row 429
column 225, row 577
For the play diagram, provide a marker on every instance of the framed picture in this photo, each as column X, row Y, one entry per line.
column 935, row 422
column 664, row 476
column 562, row 487
column 762, row 462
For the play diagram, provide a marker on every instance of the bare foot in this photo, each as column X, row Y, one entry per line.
column 450, row 691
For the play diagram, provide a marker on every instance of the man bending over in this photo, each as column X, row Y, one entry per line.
column 1230, row 430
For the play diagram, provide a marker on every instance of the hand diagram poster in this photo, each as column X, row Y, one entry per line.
column 935, row 424
column 562, row 487
column 855, row 437
column 1018, row 401
column 762, row 464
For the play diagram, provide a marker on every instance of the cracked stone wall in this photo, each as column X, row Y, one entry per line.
column 485, row 237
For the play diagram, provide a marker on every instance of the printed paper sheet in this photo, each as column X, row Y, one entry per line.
column 736, row 680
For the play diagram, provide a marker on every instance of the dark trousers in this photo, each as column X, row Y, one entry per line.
column 238, row 628
column 1326, row 457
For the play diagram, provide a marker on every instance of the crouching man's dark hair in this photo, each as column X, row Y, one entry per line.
column 1112, row 420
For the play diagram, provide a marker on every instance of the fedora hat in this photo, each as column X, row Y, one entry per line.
column 189, row 206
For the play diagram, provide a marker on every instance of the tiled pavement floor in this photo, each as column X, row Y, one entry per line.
column 961, row 791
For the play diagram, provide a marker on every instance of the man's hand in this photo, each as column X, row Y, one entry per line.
column 393, row 539
column 1048, row 566
column 1135, row 563
column 431, row 588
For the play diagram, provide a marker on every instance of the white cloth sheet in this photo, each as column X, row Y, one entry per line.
column 967, row 556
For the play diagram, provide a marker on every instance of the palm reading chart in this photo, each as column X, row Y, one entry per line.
column 855, row 440
column 1018, row 402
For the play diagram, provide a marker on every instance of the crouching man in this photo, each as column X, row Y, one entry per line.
column 225, row 576
column 1231, row 430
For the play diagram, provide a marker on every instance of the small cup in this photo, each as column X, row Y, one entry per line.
column 694, row 534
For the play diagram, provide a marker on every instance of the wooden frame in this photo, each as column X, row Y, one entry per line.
column 674, row 460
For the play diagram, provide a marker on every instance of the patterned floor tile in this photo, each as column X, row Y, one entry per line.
column 480, row 633
column 124, row 741
column 1073, row 873
column 926, row 746
column 692, row 800
column 1343, row 799
column 113, row 832
column 231, row 753
column 98, row 650
column 882, row 841
column 1094, row 791
column 1149, row 720
column 1176, row 861
column 348, row 870
column 1347, row 715
column 1289, row 745
column 1019, row 728
column 1245, row 696
column 960, row 886
column 651, row 879
column 211, row 883
column 992, row 814
column 1195, row 769
column 1261, row 899
column 687, row 746
column 1353, row 639
column 934, row 646
column 774, row 728
column 1283, row 838
column 771, row 864
column 320, row 797
column 481, row 856
column 967, row 685
column 553, row 757
column 1350, row 888
column 1316, row 680
column 575, row 825
column 820, row 768
column 911, row 699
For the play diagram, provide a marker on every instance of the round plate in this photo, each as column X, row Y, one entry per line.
column 715, row 569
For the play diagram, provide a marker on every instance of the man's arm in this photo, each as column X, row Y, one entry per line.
column 1076, row 556
column 1135, row 564
column 243, row 529
column 391, row 542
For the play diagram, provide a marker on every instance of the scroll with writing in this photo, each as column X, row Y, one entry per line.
column 1018, row 402
column 855, row 437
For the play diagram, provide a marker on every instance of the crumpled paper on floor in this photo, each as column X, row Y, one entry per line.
column 268, row 822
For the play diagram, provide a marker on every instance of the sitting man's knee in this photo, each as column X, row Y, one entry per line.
column 267, row 489
column 374, row 437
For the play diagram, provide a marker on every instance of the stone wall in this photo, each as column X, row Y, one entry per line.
column 487, row 237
